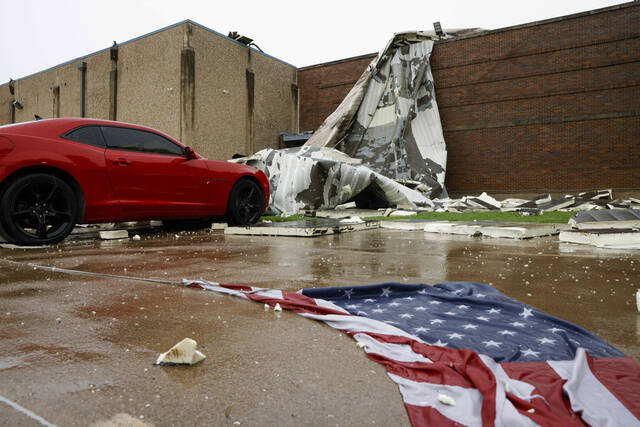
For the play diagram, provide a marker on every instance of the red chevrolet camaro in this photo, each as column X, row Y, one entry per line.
column 56, row 173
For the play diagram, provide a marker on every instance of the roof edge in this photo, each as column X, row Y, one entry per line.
column 185, row 21
column 338, row 61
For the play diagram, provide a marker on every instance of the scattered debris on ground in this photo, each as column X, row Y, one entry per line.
column 183, row 353
column 305, row 228
column 614, row 229
column 494, row 229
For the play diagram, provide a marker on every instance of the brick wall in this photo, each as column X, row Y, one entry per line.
column 323, row 86
column 548, row 106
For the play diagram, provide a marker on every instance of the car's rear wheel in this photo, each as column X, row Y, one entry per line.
column 246, row 202
column 38, row 209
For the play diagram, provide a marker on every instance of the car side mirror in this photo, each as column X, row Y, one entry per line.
column 189, row 153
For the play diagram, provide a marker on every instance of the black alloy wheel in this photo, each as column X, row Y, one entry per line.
column 38, row 209
column 246, row 202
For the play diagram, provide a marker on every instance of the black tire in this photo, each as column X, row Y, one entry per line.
column 246, row 203
column 38, row 209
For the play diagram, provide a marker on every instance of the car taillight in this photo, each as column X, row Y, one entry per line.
column 6, row 145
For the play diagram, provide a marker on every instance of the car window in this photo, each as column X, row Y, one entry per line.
column 87, row 135
column 139, row 140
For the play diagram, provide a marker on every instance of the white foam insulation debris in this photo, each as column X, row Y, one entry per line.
column 610, row 239
column 489, row 229
column 304, row 228
column 183, row 353
column 382, row 147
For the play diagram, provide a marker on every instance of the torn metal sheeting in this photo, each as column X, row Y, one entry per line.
column 385, row 133
column 611, row 239
column 321, row 178
column 303, row 228
column 606, row 218
column 390, row 119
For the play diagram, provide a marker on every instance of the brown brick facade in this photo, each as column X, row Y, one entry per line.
column 548, row 106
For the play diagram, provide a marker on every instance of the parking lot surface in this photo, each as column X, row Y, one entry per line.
column 78, row 349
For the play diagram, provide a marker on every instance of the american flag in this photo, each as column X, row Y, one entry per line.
column 464, row 353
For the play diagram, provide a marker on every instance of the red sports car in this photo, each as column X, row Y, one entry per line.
column 58, row 172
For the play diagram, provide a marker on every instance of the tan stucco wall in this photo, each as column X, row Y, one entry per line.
column 149, row 81
column 274, row 104
column 221, row 98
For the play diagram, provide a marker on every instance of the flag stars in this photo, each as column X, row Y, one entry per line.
column 517, row 324
column 348, row 293
column 406, row 316
column 451, row 313
column 494, row 311
column 436, row 321
column 480, row 295
column 386, row 292
column 409, row 298
column 554, row 330
column 486, row 319
column 420, row 308
column 434, row 302
column 526, row 312
column 421, row 329
column 545, row 340
column 378, row 310
column 529, row 352
column 394, row 304
column 505, row 332
column 440, row 343
column 470, row 326
column 491, row 343
column 352, row 306
column 370, row 300
column 455, row 336
column 462, row 307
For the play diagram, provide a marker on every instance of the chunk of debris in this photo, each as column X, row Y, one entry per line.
column 638, row 300
column 183, row 353
column 277, row 307
column 609, row 238
column 121, row 420
column 136, row 237
column 303, row 228
column 352, row 220
column 606, row 218
column 446, row 400
column 113, row 234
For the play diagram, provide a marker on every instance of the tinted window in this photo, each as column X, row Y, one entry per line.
column 87, row 135
column 139, row 140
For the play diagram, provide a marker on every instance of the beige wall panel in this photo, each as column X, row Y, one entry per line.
column 149, row 81
column 5, row 99
column 274, row 101
column 35, row 93
column 97, row 95
column 221, row 96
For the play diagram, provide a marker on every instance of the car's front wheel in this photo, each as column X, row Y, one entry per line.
column 246, row 202
column 38, row 209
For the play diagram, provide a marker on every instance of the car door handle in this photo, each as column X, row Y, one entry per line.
column 122, row 162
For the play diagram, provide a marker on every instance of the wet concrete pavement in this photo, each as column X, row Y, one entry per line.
column 79, row 349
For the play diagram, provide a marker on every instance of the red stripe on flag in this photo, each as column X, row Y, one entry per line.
column 463, row 368
column 237, row 287
column 621, row 376
column 297, row 303
column 548, row 384
column 427, row 416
